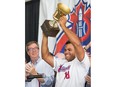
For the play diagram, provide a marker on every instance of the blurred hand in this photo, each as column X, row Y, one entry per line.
column 62, row 21
column 88, row 54
column 88, row 79
column 30, row 69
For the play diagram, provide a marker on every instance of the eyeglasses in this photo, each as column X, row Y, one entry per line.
column 33, row 49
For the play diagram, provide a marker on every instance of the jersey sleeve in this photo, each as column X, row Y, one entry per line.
column 86, row 62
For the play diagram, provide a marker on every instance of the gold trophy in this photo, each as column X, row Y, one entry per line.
column 50, row 27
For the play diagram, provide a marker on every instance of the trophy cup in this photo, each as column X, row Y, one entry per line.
column 50, row 27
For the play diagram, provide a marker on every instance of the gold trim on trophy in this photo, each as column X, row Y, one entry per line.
column 61, row 10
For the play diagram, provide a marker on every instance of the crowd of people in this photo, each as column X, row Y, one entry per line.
column 69, row 69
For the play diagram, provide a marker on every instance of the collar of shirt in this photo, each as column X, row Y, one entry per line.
column 38, row 60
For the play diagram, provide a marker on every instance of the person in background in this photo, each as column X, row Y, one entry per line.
column 72, row 70
column 37, row 66
column 86, row 49
column 88, row 76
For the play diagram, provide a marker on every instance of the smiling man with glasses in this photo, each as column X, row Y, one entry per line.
column 37, row 66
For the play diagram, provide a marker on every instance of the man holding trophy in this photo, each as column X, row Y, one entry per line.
column 72, row 70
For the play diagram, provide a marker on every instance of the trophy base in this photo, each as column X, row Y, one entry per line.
column 49, row 30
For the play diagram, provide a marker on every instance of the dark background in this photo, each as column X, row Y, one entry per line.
column 31, row 22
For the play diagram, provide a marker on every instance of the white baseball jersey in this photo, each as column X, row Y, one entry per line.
column 71, row 74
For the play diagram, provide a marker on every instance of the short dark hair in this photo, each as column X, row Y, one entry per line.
column 31, row 42
column 68, row 42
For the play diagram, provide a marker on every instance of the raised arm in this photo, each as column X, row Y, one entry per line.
column 73, row 38
column 45, row 51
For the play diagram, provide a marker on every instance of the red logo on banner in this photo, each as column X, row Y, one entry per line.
column 80, row 20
